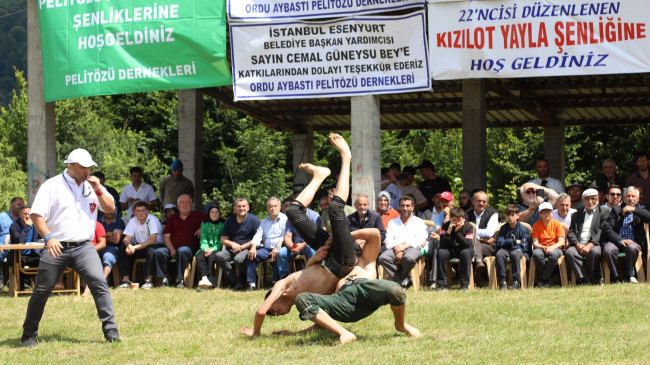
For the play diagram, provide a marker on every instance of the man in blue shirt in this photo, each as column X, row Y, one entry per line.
column 6, row 220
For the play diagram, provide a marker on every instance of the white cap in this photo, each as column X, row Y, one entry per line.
column 82, row 157
column 589, row 192
column 544, row 206
column 169, row 206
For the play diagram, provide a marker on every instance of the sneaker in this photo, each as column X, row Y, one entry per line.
column 112, row 336
column 633, row 280
column 503, row 286
column 251, row 287
column 28, row 341
column 205, row 283
column 180, row 284
column 165, row 283
column 126, row 285
column 515, row 285
column 441, row 288
column 148, row 285
column 464, row 288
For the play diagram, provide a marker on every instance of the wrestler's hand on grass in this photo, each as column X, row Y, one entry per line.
column 248, row 332
column 284, row 332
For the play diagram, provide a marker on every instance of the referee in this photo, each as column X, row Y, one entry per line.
column 64, row 213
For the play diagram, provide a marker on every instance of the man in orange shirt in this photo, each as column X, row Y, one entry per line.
column 548, row 242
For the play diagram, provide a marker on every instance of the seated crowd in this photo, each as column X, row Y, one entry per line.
column 587, row 227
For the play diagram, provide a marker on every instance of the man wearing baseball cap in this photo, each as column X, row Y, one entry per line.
column 65, row 214
column 584, row 253
column 174, row 185
column 548, row 242
column 446, row 200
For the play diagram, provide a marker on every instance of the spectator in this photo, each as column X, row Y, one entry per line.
column 323, row 203
column 465, row 200
column 389, row 184
column 548, row 243
column 614, row 195
column 384, row 209
column 513, row 242
column 136, row 191
column 456, row 241
column 170, row 209
column 432, row 183
column 142, row 235
column 563, row 211
column 446, row 202
column 609, row 176
column 575, row 192
column 364, row 218
column 641, row 179
column 405, row 236
column 181, row 240
column 487, row 222
column 624, row 232
column 113, row 228
column 295, row 245
column 531, row 199
column 99, row 241
column 116, row 196
column 175, row 185
column 22, row 231
column 6, row 220
column 405, row 183
column 429, row 214
column 584, row 252
column 543, row 179
column 285, row 204
column 267, row 241
column 210, row 245
column 238, row 232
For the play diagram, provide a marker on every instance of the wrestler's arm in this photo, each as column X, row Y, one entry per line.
column 372, row 236
column 320, row 255
column 277, row 291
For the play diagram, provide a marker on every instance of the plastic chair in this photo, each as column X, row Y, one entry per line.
column 261, row 271
column 292, row 262
column 455, row 261
column 561, row 265
column 417, row 274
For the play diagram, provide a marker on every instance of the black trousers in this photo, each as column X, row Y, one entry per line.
column 342, row 256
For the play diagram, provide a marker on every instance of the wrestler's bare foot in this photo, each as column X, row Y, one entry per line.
column 317, row 171
column 341, row 145
column 410, row 331
column 347, row 337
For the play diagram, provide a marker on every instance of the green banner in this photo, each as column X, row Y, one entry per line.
column 102, row 47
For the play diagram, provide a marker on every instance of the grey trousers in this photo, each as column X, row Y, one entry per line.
column 610, row 250
column 409, row 259
column 546, row 267
column 223, row 260
column 583, row 267
column 85, row 261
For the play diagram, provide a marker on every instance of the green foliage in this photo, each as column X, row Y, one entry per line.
column 13, row 46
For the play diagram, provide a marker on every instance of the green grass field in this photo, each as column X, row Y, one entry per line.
column 596, row 325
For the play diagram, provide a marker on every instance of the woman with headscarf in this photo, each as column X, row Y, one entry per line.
column 210, row 245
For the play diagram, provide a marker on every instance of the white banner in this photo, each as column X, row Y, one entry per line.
column 360, row 56
column 253, row 10
column 503, row 38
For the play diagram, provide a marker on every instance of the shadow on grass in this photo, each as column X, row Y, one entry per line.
column 15, row 342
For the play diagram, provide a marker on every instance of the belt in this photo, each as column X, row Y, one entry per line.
column 72, row 244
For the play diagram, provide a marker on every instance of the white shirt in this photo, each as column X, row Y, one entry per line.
column 141, row 232
column 70, row 211
column 566, row 220
column 586, row 227
column 272, row 231
column 145, row 193
column 413, row 233
column 551, row 182
column 492, row 225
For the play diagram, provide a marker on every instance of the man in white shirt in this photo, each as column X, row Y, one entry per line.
column 65, row 215
column 136, row 191
column 266, row 242
column 563, row 212
column 543, row 179
column 142, row 236
column 405, row 236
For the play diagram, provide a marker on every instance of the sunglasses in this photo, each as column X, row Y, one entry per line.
column 615, row 194
column 530, row 191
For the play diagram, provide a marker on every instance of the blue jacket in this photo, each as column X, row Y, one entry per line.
column 508, row 237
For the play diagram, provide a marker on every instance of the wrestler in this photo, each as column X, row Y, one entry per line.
column 341, row 258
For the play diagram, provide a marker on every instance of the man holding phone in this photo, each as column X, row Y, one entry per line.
column 532, row 195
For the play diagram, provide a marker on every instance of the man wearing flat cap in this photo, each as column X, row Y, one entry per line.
column 65, row 215
column 584, row 252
